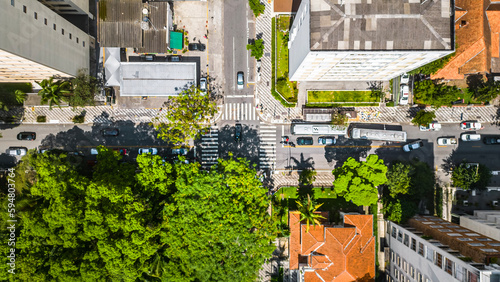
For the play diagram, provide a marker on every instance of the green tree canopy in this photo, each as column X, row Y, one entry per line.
column 175, row 223
column 471, row 176
column 433, row 93
column 188, row 116
column 358, row 181
column 257, row 7
column 307, row 177
column 257, row 48
column 54, row 92
column 398, row 179
column 85, row 88
column 307, row 209
column 423, row 118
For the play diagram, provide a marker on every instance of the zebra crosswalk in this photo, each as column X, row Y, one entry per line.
column 267, row 149
column 239, row 111
column 210, row 147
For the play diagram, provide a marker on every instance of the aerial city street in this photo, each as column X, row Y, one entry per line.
column 250, row 140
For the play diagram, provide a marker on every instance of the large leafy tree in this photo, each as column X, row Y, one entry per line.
column 187, row 115
column 358, row 181
column 307, row 210
column 217, row 227
column 85, row 88
column 257, row 48
column 435, row 93
column 423, row 117
column 399, row 178
column 54, row 92
column 257, row 7
column 471, row 176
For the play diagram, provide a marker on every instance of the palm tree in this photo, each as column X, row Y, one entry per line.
column 308, row 212
column 53, row 92
column 20, row 96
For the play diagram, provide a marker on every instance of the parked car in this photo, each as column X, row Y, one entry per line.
column 122, row 152
column 152, row 151
column 110, row 132
column 431, row 127
column 196, row 47
column 470, row 137
column 327, row 141
column 405, row 95
column 29, row 136
column 180, row 151
column 305, row 141
column 203, row 85
column 492, row 140
column 174, row 58
column 446, row 141
column 405, row 78
column 237, row 132
column 94, row 151
column 240, row 79
column 470, row 125
column 413, row 146
column 17, row 151
column 148, row 57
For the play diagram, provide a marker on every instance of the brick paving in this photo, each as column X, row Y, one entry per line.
column 291, row 178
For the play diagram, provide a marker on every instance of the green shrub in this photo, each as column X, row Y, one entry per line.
column 79, row 119
column 41, row 119
column 257, row 7
column 389, row 104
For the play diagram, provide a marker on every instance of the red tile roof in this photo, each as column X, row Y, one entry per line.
column 334, row 253
column 477, row 26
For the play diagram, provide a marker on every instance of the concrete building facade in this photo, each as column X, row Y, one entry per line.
column 414, row 255
column 37, row 43
column 486, row 222
column 374, row 40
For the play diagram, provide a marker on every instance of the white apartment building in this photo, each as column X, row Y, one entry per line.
column 412, row 257
column 338, row 40
column 68, row 7
column 486, row 222
column 37, row 43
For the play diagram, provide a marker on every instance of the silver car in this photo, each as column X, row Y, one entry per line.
column 17, row 151
column 327, row 141
column 152, row 151
column 240, row 80
column 413, row 146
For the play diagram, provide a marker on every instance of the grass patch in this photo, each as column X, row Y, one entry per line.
column 275, row 94
column 341, row 96
column 335, row 105
column 284, row 86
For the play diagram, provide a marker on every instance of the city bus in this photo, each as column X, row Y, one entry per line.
column 324, row 129
column 376, row 134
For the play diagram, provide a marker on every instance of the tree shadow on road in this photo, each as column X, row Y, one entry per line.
column 345, row 148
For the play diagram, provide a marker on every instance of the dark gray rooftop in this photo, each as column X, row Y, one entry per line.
column 381, row 25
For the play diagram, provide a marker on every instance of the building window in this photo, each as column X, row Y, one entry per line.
column 464, row 239
column 77, row 40
column 36, row 16
column 62, row 31
column 439, row 260
column 400, row 236
column 430, row 255
column 495, row 244
column 406, row 240
column 421, row 249
column 55, row 27
column 489, row 250
column 25, row 10
column 398, row 261
column 45, row 21
column 413, row 244
column 476, row 244
column 12, row 2
column 83, row 43
column 449, row 266
column 454, row 234
column 436, row 226
column 483, row 239
column 472, row 234
column 412, row 272
column 70, row 36
column 419, row 277
column 444, row 230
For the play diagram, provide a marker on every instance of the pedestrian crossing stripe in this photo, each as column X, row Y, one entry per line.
column 239, row 111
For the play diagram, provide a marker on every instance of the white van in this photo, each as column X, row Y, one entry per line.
column 470, row 137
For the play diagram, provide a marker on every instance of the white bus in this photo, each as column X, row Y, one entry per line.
column 324, row 129
column 377, row 134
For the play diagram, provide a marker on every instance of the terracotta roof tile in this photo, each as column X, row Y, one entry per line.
column 494, row 20
column 286, row 6
column 495, row 46
column 459, row 14
column 346, row 254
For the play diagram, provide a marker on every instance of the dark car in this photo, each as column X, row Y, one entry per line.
column 492, row 140
column 413, row 146
column 196, row 47
column 110, row 132
column 304, row 141
column 30, row 136
column 237, row 132
column 174, row 58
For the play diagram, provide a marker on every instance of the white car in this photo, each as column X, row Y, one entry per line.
column 447, row 141
column 94, row 151
column 405, row 78
column 152, row 151
column 405, row 94
column 413, row 146
column 470, row 125
column 470, row 137
column 431, row 127
column 203, row 85
column 17, row 151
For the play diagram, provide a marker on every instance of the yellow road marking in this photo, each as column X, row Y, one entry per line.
column 442, row 146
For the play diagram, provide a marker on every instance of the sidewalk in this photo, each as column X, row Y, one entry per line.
column 291, row 178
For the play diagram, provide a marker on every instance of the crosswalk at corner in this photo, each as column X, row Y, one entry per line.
column 267, row 150
column 239, row 111
column 210, row 148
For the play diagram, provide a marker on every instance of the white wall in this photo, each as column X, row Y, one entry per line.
column 299, row 38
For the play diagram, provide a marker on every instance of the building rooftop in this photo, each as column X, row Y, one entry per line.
column 155, row 78
column 333, row 253
column 123, row 23
column 477, row 27
column 381, row 25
